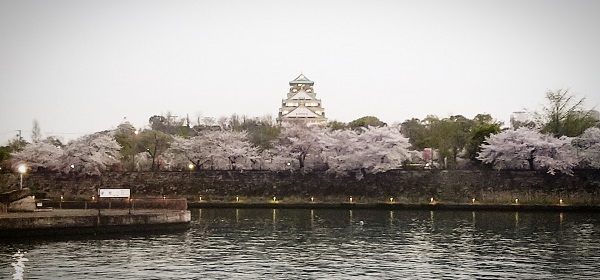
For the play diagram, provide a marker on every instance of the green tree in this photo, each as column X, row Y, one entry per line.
column 262, row 135
column 336, row 125
column 477, row 136
column 169, row 124
column 484, row 119
column 448, row 135
column 158, row 123
column 417, row 133
column 461, row 127
column 262, row 131
column 5, row 152
column 155, row 143
column 17, row 144
column 440, row 136
column 564, row 115
column 366, row 122
column 127, row 136
column 483, row 126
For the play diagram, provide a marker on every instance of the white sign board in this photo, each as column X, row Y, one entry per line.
column 114, row 192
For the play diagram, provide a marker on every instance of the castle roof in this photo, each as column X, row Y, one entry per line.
column 301, row 95
column 302, row 80
column 302, row 112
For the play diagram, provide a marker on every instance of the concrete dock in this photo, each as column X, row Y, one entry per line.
column 57, row 222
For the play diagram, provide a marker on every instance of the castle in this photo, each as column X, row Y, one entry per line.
column 301, row 104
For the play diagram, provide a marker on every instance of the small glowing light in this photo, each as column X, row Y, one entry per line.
column 351, row 199
column 391, row 200
column 72, row 166
column 516, row 201
column 61, row 198
column 93, row 197
column 431, row 200
column 473, row 200
column 200, row 198
column 312, row 199
column 237, row 199
column 191, row 166
column 164, row 197
column 560, row 201
column 22, row 168
column 274, row 199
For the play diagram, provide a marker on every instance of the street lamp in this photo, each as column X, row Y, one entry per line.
column 22, row 169
column 135, row 145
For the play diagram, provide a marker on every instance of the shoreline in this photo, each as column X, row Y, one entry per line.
column 63, row 222
column 400, row 206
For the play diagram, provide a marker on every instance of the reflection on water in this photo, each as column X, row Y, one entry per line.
column 322, row 244
column 19, row 265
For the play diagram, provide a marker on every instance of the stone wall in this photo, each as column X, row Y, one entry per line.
column 404, row 185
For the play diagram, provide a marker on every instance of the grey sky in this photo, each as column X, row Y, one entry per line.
column 82, row 66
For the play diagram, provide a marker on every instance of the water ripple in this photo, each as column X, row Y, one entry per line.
column 325, row 244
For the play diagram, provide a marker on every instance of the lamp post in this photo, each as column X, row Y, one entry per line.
column 135, row 145
column 22, row 169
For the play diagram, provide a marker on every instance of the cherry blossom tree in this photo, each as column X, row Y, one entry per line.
column 220, row 149
column 527, row 148
column 369, row 150
column 90, row 154
column 297, row 142
column 41, row 154
column 173, row 159
column 338, row 149
column 195, row 150
column 272, row 160
column 236, row 148
column 588, row 148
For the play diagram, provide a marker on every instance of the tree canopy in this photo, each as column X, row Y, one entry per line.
column 526, row 148
column 565, row 115
column 366, row 122
column 566, row 137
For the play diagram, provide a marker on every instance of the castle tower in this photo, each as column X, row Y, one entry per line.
column 301, row 104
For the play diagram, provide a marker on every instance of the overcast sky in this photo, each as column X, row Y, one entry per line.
column 80, row 67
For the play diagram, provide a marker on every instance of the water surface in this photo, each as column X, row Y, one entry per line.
column 324, row 244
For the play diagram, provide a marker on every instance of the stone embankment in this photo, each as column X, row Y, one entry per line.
column 391, row 206
column 404, row 186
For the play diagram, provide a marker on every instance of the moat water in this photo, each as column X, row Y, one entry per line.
column 325, row 244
